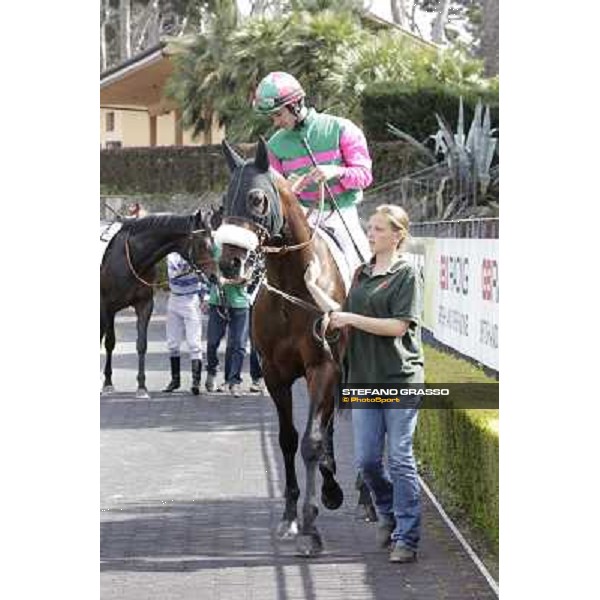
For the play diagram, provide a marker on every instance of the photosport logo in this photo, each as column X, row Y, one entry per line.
column 422, row 396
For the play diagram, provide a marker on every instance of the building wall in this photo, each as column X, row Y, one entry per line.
column 132, row 129
column 165, row 130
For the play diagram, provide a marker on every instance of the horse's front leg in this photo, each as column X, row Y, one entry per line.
column 143, row 311
column 309, row 543
column 332, row 495
column 288, row 442
column 107, row 328
column 365, row 509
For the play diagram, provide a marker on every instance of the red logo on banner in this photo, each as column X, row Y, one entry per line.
column 443, row 272
column 454, row 274
column 489, row 280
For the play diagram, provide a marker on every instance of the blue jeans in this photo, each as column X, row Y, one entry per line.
column 237, row 337
column 395, row 490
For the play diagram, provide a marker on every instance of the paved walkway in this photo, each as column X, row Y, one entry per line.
column 191, row 490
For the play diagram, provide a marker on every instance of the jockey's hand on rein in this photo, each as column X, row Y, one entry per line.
column 323, row 173
column 298, row 182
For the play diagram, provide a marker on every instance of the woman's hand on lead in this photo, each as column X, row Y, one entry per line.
column 340, row 319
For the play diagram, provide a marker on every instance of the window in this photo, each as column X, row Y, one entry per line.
column 111, row 145
column 110, row 121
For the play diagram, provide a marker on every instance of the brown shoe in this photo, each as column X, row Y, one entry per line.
column 402, row 554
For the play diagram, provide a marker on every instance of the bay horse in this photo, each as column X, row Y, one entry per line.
column 128, row 274
column 261, row 202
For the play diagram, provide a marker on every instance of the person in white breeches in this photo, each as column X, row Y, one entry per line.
column 333, row 220
column 183, row 320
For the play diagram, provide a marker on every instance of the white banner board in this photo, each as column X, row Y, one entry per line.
column 462, row 294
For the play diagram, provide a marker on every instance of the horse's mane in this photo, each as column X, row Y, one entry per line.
column 166, row 221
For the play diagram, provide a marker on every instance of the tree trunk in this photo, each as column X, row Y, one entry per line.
column 104, row 16
column 258, row 7
column 437, row 35
column 413, row 20
column 102, row 48
column 138, row 33
column 125, row 28
column 490, row 38
column 399, row 12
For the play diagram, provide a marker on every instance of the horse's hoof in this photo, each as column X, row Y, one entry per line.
column 309, row 545
column 108, row 389
column 287, row 530
column 366, row 512
column 142, row 394
column 332, row 495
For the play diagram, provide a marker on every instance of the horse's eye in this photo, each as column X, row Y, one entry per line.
column 258, row 202
column 257, row 197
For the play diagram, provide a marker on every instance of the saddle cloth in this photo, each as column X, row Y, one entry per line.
column 107, row 232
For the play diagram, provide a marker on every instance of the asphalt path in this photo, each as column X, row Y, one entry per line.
column 191, row 492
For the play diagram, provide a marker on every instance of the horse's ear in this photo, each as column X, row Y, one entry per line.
column 262, row 155
column 216, row 218
column 234, row 160
column 198, row 219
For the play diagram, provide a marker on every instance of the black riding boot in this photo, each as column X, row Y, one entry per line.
column 196, row 372
column 175, row 374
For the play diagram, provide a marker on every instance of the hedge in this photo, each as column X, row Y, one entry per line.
column 197, row 169
column 165, row 169
column 413, row 109
column 459, row 451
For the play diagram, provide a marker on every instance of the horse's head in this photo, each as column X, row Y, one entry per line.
column 201, row 250
column 252, row 210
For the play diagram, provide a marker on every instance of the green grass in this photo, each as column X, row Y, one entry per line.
column 442, row 367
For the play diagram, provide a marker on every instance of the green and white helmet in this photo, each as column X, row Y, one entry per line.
column 277, row 89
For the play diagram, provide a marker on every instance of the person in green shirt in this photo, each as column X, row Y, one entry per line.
column 383, row 312
column 228, row 312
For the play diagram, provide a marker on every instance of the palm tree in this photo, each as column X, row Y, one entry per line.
column 201, row 78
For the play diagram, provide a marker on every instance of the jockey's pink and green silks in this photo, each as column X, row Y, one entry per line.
column 333, row 141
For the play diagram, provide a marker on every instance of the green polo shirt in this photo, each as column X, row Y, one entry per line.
column 378, row 359
column 235, row 294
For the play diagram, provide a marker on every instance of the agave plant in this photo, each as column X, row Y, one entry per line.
column 468, row 158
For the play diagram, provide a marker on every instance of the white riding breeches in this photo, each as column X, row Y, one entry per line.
column 333, row 220
column 184, row 323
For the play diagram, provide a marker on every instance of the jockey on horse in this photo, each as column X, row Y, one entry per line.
column 311, row 148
